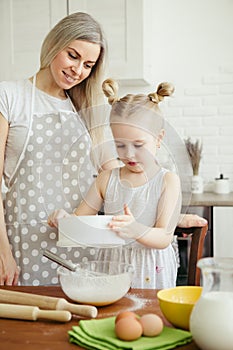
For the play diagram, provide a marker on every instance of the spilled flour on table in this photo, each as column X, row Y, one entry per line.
column 135, row 302
column 138, row 302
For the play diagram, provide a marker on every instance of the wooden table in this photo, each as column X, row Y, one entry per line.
column 49, row 335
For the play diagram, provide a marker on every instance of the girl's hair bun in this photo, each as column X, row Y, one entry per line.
column 164, row 89
column 110, row 89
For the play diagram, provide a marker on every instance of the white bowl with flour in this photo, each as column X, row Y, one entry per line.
column 96, row 282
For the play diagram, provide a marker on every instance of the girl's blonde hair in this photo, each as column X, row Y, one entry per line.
column 130, row 105
column 79, row 26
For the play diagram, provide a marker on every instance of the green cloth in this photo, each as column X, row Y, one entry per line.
column 100, row 334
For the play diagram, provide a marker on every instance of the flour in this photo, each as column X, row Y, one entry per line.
column 98, row 290
column 138, row 302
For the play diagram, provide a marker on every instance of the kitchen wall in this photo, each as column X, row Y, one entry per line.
column 191, row 44
column 187, row 42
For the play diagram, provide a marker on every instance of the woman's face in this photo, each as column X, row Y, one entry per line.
column 74, row 63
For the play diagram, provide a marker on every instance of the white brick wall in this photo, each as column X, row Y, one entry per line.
column 207, row 113
column 192, row 47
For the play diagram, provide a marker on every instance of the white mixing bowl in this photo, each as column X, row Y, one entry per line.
column 95, row 282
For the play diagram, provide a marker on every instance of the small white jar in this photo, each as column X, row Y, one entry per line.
column 222, row 185
column 197, row 184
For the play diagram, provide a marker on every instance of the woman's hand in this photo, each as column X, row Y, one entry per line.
column 56, row 216
column 9, row 271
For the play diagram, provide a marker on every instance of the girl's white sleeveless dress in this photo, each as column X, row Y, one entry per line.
column 154, row 268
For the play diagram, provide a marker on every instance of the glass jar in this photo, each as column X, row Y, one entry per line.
column 211, row 320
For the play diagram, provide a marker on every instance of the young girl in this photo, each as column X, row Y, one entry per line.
column 144, row 199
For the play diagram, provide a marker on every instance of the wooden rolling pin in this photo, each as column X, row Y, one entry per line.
column 32, row 313
column 46, row 302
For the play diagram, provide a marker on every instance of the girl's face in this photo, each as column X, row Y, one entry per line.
column 136, row 147
column 74, row 63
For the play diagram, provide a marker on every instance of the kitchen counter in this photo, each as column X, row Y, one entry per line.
column 208, row 199
column 49, row 335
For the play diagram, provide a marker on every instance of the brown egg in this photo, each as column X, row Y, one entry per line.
column 128, row 328
column 124, row 314
column 152, row 325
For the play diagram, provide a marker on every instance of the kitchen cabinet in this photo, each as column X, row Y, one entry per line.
column 23, row 26
column 222, row 231
column 25, row 23
column 125, row 25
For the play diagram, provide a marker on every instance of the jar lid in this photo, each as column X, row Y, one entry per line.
column 221, row 177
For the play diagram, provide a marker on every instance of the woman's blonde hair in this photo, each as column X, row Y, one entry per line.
column 130, row 105
column 79, row 26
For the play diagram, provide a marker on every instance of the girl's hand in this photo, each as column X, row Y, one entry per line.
column 191, row 220
column 57, row 215
column 124, row 225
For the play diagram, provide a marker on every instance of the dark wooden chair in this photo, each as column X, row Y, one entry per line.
column 197, row 238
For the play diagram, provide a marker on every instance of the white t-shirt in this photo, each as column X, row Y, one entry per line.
column 16, row 108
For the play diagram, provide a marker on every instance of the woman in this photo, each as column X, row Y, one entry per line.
column 44, row 144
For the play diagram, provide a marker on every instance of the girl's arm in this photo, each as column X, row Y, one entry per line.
column 90, row 205
column 94, row 198
column 191, row 220
column 168, row 211
column 9, row 272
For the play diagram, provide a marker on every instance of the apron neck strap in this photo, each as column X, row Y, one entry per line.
column 33, row 95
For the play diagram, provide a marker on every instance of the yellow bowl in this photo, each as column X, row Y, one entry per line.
column 177, row 303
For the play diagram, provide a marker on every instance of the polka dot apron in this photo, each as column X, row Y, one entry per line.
column 55, row 172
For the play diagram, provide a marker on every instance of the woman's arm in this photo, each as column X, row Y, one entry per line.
column 9, row 272
column 168, row 211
